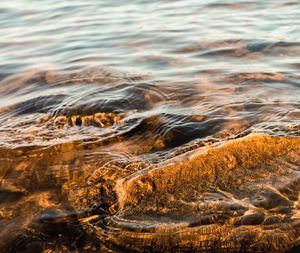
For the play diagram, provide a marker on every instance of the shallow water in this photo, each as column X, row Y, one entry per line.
column 149, row 126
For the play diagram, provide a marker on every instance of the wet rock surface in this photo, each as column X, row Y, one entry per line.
column 91, row 175
column 204, row 202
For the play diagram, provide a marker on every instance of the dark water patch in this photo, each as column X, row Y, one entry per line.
column 207, row 45
column 9, row 196
column 249, row 49
column 233, row 5
column 41, row 104
column 120, row 98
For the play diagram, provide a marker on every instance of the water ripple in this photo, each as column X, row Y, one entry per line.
column 100, row 100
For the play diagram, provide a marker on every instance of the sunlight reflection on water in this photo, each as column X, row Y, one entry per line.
column 96, row 95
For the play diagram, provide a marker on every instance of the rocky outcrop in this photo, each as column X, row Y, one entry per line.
column 238, row 196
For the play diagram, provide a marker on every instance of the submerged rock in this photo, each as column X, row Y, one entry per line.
column 240, row 195
column 100, row 161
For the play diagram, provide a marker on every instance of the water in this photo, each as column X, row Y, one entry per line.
column 149, row 126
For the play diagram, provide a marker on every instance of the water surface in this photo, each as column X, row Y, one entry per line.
column 149, row 125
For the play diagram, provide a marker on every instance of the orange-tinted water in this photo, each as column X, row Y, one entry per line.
column 155, row 126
